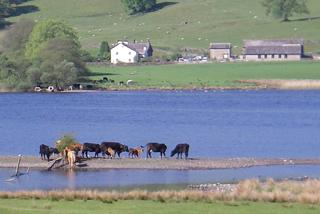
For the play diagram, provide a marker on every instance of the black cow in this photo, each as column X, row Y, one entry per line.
column 156, row 147
column 180, row 149
column 90, row 147
column 117, row 147
column 46, row 151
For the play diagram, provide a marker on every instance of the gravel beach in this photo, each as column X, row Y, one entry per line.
column 156, row 163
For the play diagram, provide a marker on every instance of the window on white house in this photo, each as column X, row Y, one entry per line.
column 265, row 56
column 280, row 56
column 117, row 53
column 286, row 56
column 129, row 53
column 272, row 56
column 129, row 60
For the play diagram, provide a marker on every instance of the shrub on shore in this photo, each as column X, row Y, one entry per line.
column 66, row 141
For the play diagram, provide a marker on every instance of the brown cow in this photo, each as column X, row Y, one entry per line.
column 71, row 156
column 110, row 152
column 136, row 152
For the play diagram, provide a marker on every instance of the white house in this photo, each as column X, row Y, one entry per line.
column 125, row 52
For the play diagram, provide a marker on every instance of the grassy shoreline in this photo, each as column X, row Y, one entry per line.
column 303, row 192
column 302, row 75
column 209, row 76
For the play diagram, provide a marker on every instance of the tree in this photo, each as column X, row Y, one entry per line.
column 138, row 6
column 48, row 30
column 56, row 57
column 15, row 38
column 58, row 50
column 13, row 72
column 34, row 76
column 283, row 9
column 4, row 11
column 5, row 8
column 104, row 52
column 59, row 75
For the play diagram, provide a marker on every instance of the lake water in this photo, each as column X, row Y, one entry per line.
column 266, row 123
column 113, row 179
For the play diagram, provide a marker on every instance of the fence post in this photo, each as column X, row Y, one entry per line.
column 18, row 165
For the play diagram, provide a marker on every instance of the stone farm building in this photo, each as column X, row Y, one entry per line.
column 220, row 51
column 273, row 50
column 127, row 52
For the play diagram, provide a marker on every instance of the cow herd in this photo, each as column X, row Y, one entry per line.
column 113, row 149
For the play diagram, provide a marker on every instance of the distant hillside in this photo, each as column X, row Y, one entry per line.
column 179, row 23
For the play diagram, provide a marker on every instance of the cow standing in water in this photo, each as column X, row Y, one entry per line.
column 156, row 147
column 180, row 149
column 71, row 157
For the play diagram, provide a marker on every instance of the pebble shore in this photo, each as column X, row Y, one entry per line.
column 157, row 163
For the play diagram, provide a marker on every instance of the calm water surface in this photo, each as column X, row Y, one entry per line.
column 105, row 179
column 216, row 123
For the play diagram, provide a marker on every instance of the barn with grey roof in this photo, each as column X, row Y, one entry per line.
column 273, row 50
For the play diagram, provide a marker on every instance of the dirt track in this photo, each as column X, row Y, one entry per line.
column 164, row 164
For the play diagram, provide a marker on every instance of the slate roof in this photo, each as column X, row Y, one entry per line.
column 137, row 47
column 261, row 47
column 220, row 45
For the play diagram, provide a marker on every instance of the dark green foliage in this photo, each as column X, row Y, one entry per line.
column 13, row 72
column 104, row 51
column 10, row 8
column 48, row 30
column 59, row 75
column 58, row 50
column 175, row 56
column 86, row 56
column 138, row 6
column 34, row 76
column 57, row 57
column 16, row 38
column 283, row 9
column 5, row 8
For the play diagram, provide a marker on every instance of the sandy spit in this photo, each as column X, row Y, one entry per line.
column 161, row 164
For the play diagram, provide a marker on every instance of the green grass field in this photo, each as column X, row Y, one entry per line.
column 26, row 206
column 205, row 75
column 179, row 23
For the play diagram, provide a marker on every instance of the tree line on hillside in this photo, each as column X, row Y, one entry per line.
column 42, row 54
column 138, row 6
column 10, row 8
column 283, row 9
